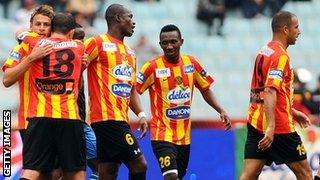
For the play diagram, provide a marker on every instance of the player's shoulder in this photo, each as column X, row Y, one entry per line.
column 78, row 42
column 26, row 36
column 97, row 37
column 156, row 59
column 152, row 63
column 192, row 59
column 93, row 40
column 189, row 56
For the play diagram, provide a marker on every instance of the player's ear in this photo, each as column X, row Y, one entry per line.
column 285, row 29
column 70, row 33
column 182, row 40
column 117, row 17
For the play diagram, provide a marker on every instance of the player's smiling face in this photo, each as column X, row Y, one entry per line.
column 41, row 24
column 170, row 43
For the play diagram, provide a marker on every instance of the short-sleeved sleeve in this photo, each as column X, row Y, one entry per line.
column 202, row 79
column 278, row 67
column 145, row 78
column 91, row 48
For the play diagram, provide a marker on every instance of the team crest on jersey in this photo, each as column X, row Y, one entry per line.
column 276, row 74
column 122, row 90
column 188, row 69
column 140, row 78
column 178, row 80
column 109, row 46
column 124, row 58
column 123, row 72
column 179, row 112
column 179, row 95
column 162, row 72
column 15, row 55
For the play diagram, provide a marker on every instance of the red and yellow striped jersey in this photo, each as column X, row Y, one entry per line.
column 111, row 75
column 54, row 80
column 16, row 56
column 272, row 69
column 170, row 89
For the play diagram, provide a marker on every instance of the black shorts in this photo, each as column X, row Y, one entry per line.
column 22, row 132
column 115, row 142
column 171, row 157
column 47, row 139
column 286, row 148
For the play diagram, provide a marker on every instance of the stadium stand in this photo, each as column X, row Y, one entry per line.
column 229, row 59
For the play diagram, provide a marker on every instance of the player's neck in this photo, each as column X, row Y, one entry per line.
column 173, row 60
column 58, row 35
column 116, row 34
column 281, row 40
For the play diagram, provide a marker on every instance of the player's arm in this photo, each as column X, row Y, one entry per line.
column 12, row 75
column 135, row 106
column 301, row 118
column 91, row 50
column 270, row 100
column 209, row 97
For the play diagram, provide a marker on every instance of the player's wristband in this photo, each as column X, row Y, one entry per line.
column 142, row 115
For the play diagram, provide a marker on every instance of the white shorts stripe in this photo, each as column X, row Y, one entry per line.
column 170, row 171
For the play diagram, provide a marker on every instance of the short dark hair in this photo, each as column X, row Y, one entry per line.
column 280, row 19
column 63, row 23
column 79, row 32
column 112, row 11
column 169, row 28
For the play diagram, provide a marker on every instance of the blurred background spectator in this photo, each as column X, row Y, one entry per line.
column 302, row 99
column 316, row 100
column 5, row 6
column 87, row 8
column 57, row 5
column 144, row 50
column 230, row 59
column 208, row 11
column 146, row 0
column 22, row 16
column 254, row 8
column 83, row 20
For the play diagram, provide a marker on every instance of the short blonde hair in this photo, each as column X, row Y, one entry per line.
column 44, row 10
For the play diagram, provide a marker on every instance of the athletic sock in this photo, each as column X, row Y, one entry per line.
column 137, row 176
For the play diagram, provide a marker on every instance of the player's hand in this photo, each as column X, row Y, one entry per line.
column 226, row 120
column 143, row 127
column 302, row 119
column 40, row 51
column 267, row 140
column 84, row 62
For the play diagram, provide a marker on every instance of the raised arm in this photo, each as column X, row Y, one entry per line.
column 12, row 75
